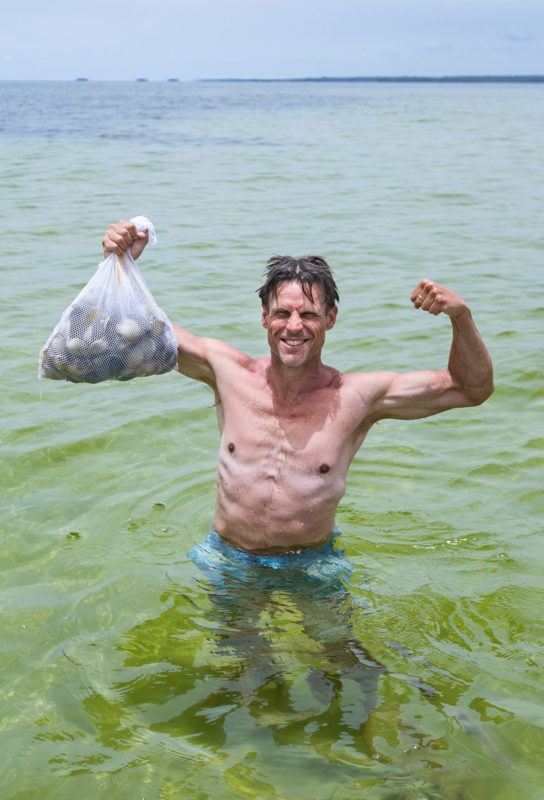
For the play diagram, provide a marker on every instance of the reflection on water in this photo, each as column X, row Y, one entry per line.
column 271, row 647
column 286, row 621
column 255, row 670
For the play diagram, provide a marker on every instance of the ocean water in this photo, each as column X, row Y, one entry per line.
column 130, row 672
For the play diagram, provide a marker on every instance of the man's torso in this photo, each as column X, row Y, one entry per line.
column 282, row 466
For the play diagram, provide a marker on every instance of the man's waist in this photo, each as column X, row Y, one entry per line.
column 245, row 545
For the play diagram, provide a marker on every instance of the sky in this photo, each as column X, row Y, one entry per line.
column 192, row 39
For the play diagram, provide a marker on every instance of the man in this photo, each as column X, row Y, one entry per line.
column 290, row 425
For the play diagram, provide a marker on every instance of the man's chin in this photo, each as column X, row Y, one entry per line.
column 293, row 359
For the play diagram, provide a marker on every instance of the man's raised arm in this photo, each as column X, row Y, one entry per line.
column 467, row 380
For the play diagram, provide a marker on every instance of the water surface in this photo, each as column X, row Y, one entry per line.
column 125, row 669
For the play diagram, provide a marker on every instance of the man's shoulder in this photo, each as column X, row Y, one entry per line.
column 353, row 380
column 367, row 384
column 360, row 386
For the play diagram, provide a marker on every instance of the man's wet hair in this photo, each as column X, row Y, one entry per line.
column 309, row 271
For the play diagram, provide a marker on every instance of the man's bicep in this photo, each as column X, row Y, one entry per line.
column 413, row 395
column 205, row 359
column 194, row 356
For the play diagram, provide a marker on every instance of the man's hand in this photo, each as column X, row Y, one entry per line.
column 123, row 235
column 431, row 297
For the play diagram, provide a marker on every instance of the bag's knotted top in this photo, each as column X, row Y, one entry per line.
column 145, row 224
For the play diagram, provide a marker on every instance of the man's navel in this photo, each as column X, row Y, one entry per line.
column 324, row 468
column 230, row 447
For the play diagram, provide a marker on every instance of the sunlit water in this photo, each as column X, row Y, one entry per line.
column 128, row 670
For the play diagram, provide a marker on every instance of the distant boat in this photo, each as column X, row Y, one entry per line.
column 141, row 80
column 82, row 80
column 173, row 80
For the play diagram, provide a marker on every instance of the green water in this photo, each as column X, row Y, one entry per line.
column 123, row 676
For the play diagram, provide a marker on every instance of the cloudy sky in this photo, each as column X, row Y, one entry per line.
column 188, row 39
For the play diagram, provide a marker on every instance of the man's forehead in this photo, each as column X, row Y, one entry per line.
column 293, row 292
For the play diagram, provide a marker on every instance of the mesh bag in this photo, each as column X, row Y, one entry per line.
column 113, row 330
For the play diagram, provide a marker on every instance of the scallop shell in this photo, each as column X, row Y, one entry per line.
column 148, row 347
column 60, row 361
column 135, row 357
column 157, row 326
column 129, row 330
column 98, row 347
column 75, row 346
column 56, row 346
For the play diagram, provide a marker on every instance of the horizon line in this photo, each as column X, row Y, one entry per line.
column 475, row 78
column 390, row 78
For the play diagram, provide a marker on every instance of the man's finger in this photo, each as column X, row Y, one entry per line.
column 431, row 296
column 418, row 296
column 421, row 291
column 114, row 243
column 117, row 245
column 428, row 300
column 124, row 236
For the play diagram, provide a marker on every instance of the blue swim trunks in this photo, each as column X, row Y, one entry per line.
column 324, row 570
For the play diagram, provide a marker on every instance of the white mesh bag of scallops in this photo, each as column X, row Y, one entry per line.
column 113, row 330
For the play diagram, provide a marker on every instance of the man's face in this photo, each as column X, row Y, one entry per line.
column 296, row 325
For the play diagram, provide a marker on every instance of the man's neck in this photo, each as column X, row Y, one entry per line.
column 290, row 383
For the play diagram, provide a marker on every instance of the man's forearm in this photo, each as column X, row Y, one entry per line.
column 470, row 363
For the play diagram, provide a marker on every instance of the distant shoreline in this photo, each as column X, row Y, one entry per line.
column 323, row 79
column 389, row 79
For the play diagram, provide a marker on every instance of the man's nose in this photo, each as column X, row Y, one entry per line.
column 295, row 322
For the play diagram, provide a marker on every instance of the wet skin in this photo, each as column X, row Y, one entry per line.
column 290, row 425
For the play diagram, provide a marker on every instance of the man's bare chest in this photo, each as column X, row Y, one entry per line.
column 328, row 418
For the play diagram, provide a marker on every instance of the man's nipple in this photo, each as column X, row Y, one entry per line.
column 230, row 447
column 324, row 468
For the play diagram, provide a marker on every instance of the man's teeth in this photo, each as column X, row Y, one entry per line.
column 294, row 342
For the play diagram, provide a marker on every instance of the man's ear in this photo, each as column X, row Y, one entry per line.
column 331, row 318
column 264, row 317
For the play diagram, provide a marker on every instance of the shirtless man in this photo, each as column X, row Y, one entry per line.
column 290, row 425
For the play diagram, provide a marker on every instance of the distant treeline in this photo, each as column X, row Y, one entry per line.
column 389, row 79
